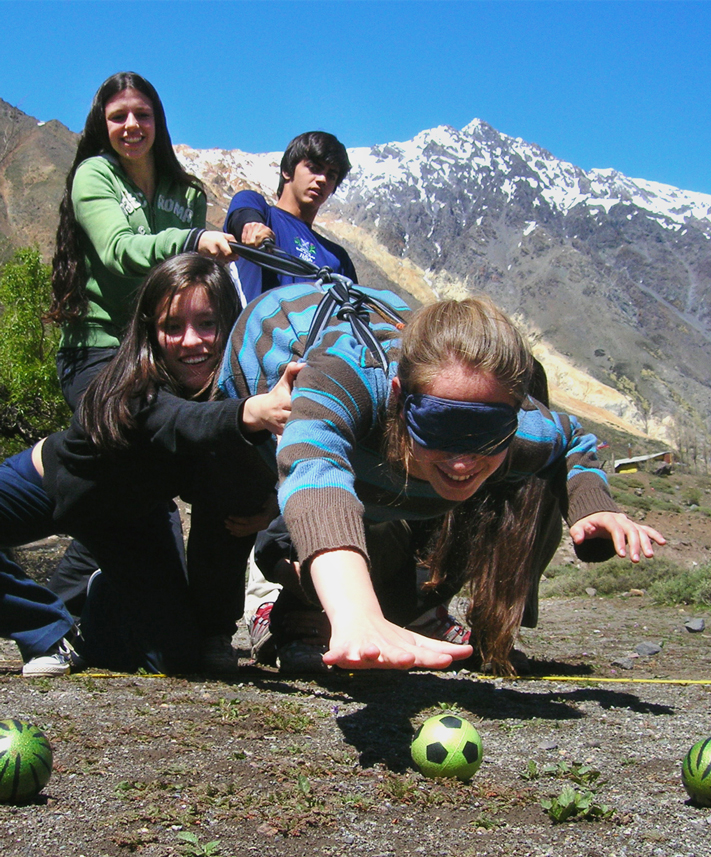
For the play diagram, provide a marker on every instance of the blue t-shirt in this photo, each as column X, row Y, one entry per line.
column 292, row 235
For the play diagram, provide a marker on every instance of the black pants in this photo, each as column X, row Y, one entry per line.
column 76, row 368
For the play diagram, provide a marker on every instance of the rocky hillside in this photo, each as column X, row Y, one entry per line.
column 34, row 160
column 610, row 275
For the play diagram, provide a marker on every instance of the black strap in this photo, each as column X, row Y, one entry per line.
column 271, row 257
column 352, row 305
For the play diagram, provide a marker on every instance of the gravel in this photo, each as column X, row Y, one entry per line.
column 293, row 766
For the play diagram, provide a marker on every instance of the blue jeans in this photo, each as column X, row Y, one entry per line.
column 140, row 616
column 30, row 614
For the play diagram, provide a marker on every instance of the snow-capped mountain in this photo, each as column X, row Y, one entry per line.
column 435, row 157
column 613, row 272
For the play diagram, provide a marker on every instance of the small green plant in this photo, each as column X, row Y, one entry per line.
column 530, row 772
column 580, row 774
column 399, row 788
column 192, row 846
column 486, row 822
column 129, row 788
column 575, row 805
column 692, row 497
column 304, row 788
column 286, row 717
column 505, row 726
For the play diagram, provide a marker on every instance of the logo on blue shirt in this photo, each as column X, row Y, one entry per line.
column 305, row 249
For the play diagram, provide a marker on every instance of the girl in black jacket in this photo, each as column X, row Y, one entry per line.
column 146, row 432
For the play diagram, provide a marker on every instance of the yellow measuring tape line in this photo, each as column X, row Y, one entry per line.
column 580, row 679
column 576, row 679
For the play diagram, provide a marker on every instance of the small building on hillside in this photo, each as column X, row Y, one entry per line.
column 632, row 465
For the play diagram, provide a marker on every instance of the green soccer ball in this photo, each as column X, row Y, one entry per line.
column 447, row 746
column 25, row 761
column 696, row 772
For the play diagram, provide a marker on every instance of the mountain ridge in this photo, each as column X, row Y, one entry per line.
column 610, row 275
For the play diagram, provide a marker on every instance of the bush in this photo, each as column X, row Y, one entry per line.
column 646, row 502
column 687, row 586
column 661, row 484
column 31, row 401
column 665, row 582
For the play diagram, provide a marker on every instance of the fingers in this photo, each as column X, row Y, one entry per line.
column 280, row 397
column 255, row 234
column 369, row 657
column 628, row 537
column 216, row 245
column 654, row 535
column 421, row 652
column 291, row 370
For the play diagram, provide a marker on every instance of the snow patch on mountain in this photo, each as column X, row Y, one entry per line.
column 440, row 156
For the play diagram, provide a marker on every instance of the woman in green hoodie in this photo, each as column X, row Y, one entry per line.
column 128, row 204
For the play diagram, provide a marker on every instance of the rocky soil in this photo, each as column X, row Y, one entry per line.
column 290, row 766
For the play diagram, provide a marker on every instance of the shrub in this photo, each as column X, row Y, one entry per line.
column 31, row 401
column 687, row 586
column 665, row 582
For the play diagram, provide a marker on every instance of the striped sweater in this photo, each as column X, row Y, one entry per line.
column 332, row 472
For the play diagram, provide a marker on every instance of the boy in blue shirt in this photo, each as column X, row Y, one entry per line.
column 312, row 167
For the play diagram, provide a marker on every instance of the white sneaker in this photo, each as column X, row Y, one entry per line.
column 55, row 661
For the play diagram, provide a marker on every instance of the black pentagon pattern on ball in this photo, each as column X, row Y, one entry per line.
column 451, row 722
column 470, row 751
column 436, row 753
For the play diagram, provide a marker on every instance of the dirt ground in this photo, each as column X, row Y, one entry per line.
column 270, row 765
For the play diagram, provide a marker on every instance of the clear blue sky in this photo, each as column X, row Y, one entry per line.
column 622, row 84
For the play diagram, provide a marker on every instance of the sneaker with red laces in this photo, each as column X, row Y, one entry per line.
column 260, row 635
column 438, row 624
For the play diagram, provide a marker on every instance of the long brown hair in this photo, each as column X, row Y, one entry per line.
column 487, row 544
column 69, row 276
column 139, row 369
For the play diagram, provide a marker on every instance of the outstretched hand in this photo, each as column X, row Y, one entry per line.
column 270, row 411
column 361, row 637
column 627, row 536
column 375, row 643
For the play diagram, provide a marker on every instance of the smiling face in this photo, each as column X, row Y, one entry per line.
column 458, row 477
column 130, row 123
column 307, row 190
column 187, row 335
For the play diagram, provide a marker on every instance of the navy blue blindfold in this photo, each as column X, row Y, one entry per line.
column 459, row 427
